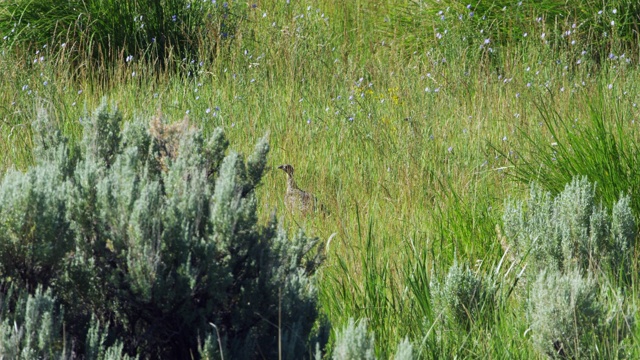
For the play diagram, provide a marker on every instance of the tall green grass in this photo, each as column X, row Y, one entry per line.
column 602, row 143
column 98, row 33
column 407, row 137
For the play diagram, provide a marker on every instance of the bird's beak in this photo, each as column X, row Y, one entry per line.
column 281, row 167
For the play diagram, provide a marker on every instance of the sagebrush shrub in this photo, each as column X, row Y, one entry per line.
column 404, row 350
column 354, row 342
column 567, row 314
column 30, row 326
column 562, row 242
column 152, row 239
column 463, row 296
column 35, row 234
column 96, row 343
column 572, row 229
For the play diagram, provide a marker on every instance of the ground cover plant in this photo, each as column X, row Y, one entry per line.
column 149, row 237
column 420, row 126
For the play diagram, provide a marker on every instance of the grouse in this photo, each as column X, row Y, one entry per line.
column 296, row 199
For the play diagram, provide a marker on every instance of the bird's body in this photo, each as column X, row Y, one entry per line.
column 296, row 199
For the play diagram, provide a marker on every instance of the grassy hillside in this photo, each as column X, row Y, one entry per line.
column 412, row 122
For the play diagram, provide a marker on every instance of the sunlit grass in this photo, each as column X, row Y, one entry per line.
column 410, row 148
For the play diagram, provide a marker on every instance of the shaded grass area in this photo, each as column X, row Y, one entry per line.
column 407, row 137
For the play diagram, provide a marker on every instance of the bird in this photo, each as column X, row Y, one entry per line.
column 296, row 199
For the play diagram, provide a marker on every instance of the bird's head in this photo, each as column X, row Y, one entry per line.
column 286, row 168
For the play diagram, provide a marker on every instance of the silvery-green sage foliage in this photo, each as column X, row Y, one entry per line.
column 31, row 330
column 463, row 296
column 146, row 236
column 354, row 342
column 404, row 350
column 567, row 244
column 570, row 230
column 570, row 317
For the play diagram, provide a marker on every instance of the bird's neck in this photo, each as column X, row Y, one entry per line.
column 291, row 184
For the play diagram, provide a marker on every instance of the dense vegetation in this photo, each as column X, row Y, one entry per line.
column 479, row 164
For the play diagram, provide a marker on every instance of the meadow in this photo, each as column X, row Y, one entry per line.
column 415, row 123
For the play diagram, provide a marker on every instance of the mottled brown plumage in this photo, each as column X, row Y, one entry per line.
column 296, row 199
column 167, row 137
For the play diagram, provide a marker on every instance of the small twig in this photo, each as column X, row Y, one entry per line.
column 219, row 341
